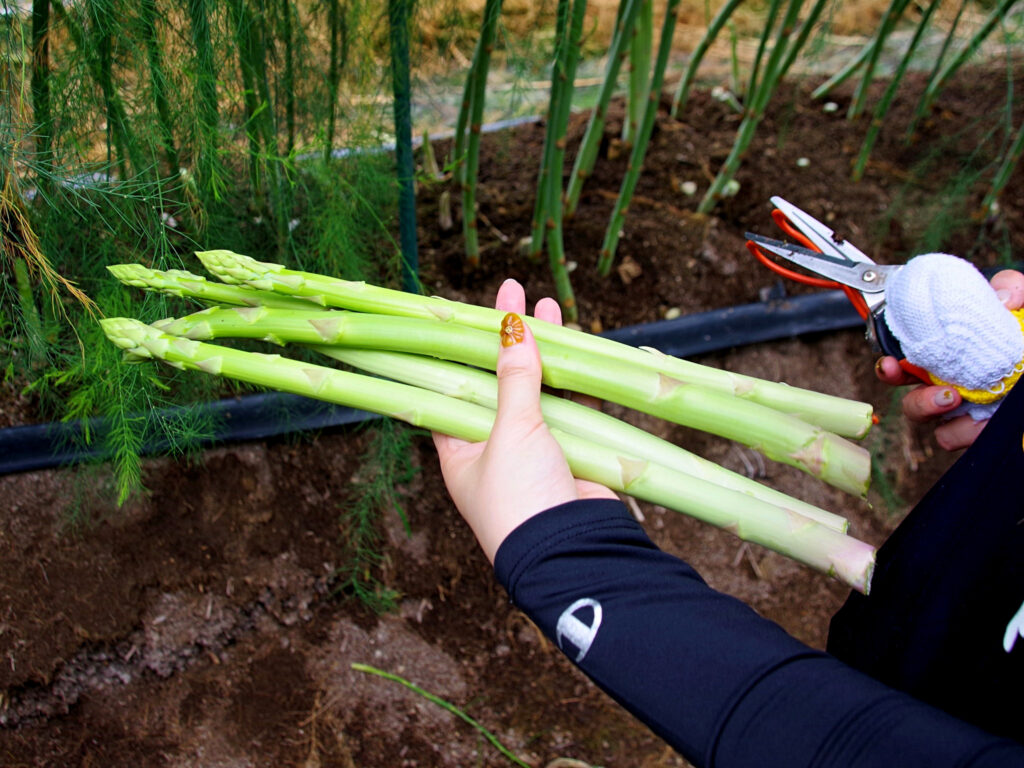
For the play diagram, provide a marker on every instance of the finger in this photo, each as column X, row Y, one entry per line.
column 519, row 376
column 926, row 403
column 548, row 309
column 511, row 297
column 446, row 445
column 888, row 370
column 959, row 432
column 1009, row 287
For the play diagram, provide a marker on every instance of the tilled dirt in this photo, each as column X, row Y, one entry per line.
column 199, row 624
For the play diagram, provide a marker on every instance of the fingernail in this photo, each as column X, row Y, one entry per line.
column 1003, row 295
column 511, row 329
column 944, row 398
column 878, row 365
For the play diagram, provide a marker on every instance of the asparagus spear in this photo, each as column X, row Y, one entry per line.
column 751, row 519
column 480, row 387
column 475, row 386
column 844, row 417
column 777, row 435
column 180, row 282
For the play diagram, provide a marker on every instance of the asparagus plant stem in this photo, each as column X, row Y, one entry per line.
column 586, row 156
column 755, row 78
column 34, row 336
column 470, row 166
column 97, row 53
column 890, row 92
column 206, row 102
column 843, row 74
column 240, row 21
column 777, row 435
column 939, row 80
column 683, row 89
column 337, row 57
column 892, row 14
column 540, row 203
column 845, row 417
column 158, row 81
column 1010, row 160
column 753, row 520
column 480, row 387
column 398, row 14
column 640, row 42
column 758, row 103
column 42, row 116
column 636, row 156
column 289, row 75
column 563, row 82
column 797, row 45
column 444, row 705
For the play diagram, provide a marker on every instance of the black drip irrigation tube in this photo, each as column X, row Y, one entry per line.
column 262, row 416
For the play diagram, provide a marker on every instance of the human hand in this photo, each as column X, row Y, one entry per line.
column 928, row 403
column 520, row 470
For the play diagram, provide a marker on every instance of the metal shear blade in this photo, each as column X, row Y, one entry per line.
column 864, row 276
column 822, row 237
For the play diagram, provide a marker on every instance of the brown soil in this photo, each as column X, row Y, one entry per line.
column 197, row 625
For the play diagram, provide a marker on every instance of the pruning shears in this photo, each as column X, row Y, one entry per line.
column 838, row 264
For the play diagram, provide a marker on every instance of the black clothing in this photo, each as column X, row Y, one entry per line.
column 948, row 585
column 719, row 683
column 725, row 687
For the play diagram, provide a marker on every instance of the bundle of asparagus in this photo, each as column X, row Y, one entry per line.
column 435, row 354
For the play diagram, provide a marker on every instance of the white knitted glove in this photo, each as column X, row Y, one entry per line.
column 949, row 321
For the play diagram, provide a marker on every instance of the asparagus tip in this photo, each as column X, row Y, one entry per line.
column 234, row 268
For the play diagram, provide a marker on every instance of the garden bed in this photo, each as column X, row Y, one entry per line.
column 197, row 625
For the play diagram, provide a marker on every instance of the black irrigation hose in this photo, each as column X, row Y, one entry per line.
column 722, row 329
column 257, row 417
column 252, row 417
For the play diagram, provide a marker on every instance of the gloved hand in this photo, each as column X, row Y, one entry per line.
column 960, row 329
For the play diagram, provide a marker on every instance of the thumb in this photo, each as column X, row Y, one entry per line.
column 519, row 376
column 1009, row 287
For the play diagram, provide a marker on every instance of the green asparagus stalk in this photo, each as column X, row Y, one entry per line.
column 540, row 202
column 762, row 45
column 480, row 387
column 319, row 327
column 466, row 383
column 844, row 417
column 591, row 143
column 550, row 198
column 180, row 282
column 639, row 149
column 889, row 19
column 777, row 435
column 759, row 96
column 843, row 74
column 753, row 520
column 939, row 79
column 640, row 44
column 1010, row 160
column 890, row 92
column 683, row 89
column 469, row 165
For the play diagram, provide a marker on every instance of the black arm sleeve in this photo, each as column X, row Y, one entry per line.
column 945, row 615
column 719, row 683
